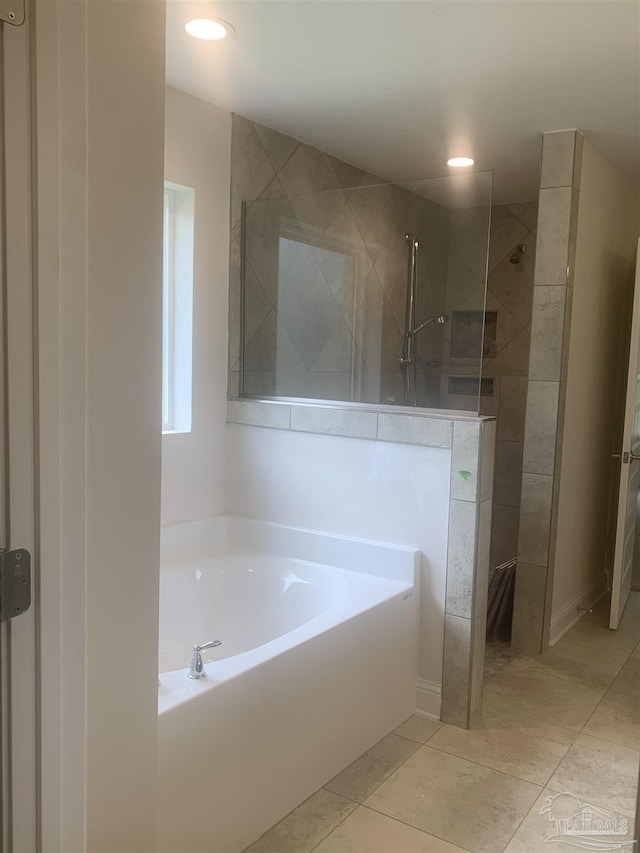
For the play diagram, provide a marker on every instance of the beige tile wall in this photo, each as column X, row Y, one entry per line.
column 470, row 507
column 510, row 293
column 324, row 307
column 546, row 387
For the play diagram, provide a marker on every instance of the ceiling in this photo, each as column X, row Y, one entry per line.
column 398, row 87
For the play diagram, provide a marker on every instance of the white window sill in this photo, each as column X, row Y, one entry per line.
column 176, row 431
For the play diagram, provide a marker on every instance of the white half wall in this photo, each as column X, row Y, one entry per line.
column 397, row 493
column 607, row 232
column 197, row 155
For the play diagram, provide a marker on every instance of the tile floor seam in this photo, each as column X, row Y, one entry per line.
column 609, row 690
column 495, row 690
column 554, row 675
column 433, row 733
column 529, row 716
column 282, row 820
column 585, row 648
column 523, row 658
column 486, row 767
column 615, row 692
column 410, row 739
column 412, row 826
column 324, row 837
column 596, row 799
column 533, row 784
column 610, row 742
column 582, row 730
column 505, row 772
column 516, row 830
column 388, row 776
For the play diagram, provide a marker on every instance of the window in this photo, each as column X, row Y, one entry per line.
column 177, row 307
column 167, row 312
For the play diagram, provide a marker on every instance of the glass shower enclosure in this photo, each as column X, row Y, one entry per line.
column 373, row 294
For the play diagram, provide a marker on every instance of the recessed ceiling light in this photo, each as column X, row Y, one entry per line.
column 460, row 161
column 208, row 29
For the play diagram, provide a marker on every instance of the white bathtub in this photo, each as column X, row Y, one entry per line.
column 317, row 663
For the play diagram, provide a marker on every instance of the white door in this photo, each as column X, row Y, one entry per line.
column 18, row 657
column 629, row 472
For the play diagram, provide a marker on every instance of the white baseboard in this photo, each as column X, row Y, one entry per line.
column 568, row 615
column 428, row 699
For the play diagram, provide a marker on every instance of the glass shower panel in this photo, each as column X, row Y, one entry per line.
column 326, row 280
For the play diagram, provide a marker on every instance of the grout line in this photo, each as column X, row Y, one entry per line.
column 571, row 745
column 486, row 766
column 412, row 826
column 610, row 742
column 377, row 743
column 412, row 740
column 282, row 820
column 434, row 733
column 393, row 817
column 286, row 162
column 506, row 772
column 394, row 771
column 602, row 698
column 586, row 648
column 528, row 717
column 560, row 677
column 525, row 655
column 324, row 837
column 520, row 823
column 276, row 172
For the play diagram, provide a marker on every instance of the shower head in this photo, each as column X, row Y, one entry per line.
column 519, row 250
column 439, row 320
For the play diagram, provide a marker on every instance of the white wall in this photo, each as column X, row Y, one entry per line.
column 100, row 171
column 396, row 493
column 607, row 232
column 197, row 155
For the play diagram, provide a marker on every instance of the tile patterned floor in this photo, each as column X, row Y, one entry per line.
column 566, row 721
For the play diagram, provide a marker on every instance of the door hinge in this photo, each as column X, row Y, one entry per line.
column 12, row 12
column 15, row 583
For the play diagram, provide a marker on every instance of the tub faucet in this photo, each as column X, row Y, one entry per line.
column 196, row 670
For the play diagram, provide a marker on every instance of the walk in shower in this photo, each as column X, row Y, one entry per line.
column 365, row 292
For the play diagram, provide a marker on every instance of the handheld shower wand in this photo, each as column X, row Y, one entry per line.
column 408, row 361
column 440, row 320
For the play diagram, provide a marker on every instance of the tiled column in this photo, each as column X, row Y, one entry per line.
column 467, row 570
column 551, row 323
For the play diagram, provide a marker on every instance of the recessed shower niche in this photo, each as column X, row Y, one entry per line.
column 473, row 331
